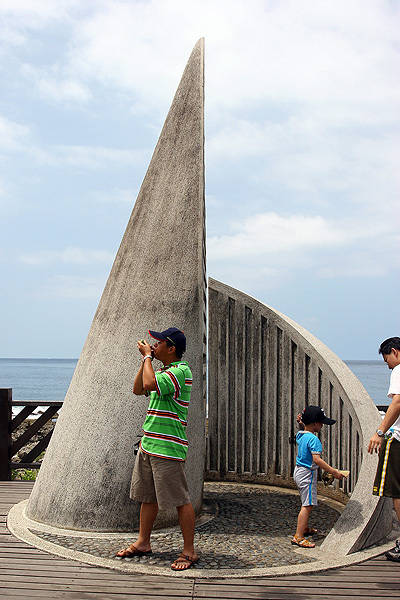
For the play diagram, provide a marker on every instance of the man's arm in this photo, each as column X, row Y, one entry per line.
column 149, row 378
column 392, row 414
column 145, row 380
column 138, row 388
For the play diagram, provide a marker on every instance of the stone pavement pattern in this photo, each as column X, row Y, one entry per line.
column 249, row 527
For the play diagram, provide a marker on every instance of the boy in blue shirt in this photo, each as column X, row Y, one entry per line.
column 305, row 474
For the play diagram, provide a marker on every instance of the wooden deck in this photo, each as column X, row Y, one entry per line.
column 28, row 572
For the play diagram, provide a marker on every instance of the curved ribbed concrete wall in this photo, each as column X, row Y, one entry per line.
column 263, row 370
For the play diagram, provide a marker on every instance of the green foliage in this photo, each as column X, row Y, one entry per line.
column 24, row 474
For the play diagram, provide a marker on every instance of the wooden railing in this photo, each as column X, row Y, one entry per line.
column 8, row 424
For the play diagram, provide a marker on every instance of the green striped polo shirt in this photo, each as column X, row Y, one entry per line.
column 165, row 424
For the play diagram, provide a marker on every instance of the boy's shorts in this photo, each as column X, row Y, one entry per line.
column 306, row 481
column 387, row 480
column 159, row 480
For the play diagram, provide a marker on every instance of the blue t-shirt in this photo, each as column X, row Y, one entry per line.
column 307, row 444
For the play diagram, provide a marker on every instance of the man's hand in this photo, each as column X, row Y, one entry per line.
column 337, row 474
column 375, row 443
column 392, row 413
column 144, row 348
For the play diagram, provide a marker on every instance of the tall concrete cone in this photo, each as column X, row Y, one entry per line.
column 157, row 281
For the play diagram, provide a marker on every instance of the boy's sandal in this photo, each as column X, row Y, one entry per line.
column 183, row 562
column 302, row 542
column 310, row 531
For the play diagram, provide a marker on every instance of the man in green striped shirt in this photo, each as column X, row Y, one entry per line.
column 158, row 479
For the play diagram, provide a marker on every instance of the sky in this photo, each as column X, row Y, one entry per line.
column 302, row 157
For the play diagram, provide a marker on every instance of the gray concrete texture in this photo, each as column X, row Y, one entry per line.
column 157, row 281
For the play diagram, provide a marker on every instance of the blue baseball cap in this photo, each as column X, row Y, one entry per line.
column 173, row 335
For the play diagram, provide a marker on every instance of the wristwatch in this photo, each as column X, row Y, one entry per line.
column 380, row 433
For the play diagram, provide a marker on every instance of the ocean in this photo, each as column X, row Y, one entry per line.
column 49, row 378
column 375, row 377
column 37, row 378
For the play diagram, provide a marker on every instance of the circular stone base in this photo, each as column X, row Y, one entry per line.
column 245, row 531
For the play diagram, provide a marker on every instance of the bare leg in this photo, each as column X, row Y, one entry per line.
column 148, row 513
column 394, row 554
column 187, row 521
column 302, row 520
column 396, row 504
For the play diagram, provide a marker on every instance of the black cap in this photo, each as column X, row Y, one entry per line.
column 315, row 414
column 173, row 335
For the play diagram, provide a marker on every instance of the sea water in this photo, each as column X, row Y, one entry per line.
column 375, row 377
column 49, row 378
column 37, row 378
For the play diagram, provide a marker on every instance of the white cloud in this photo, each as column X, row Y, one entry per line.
column 70, row 255
column 115, row 196
column 250, row 277
column 66, row 286
column 313, row 52
column 35, row 15
column 366, row 260
column 286, row 53
column 270, row 233
column 268, row 249
column 307, row 155
column 13, row 135
column 64, row 90
column 7, row 201
column 88, row 157
column 20, row 20
column 95, row 157
column 52, row 86
column 8, row 37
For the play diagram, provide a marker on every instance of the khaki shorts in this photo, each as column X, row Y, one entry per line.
column 159, row 480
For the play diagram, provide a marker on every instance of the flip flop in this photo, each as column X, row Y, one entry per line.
column 132, row 551
column 302, row 542
column 183, row 558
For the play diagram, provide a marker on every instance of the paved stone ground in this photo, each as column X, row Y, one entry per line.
column 248, row 527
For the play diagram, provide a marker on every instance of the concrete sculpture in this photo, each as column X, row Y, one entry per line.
column 157, row 281
column 263, row 369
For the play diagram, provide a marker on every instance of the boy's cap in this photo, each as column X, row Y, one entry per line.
column 173, row 335
column 315, row 414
